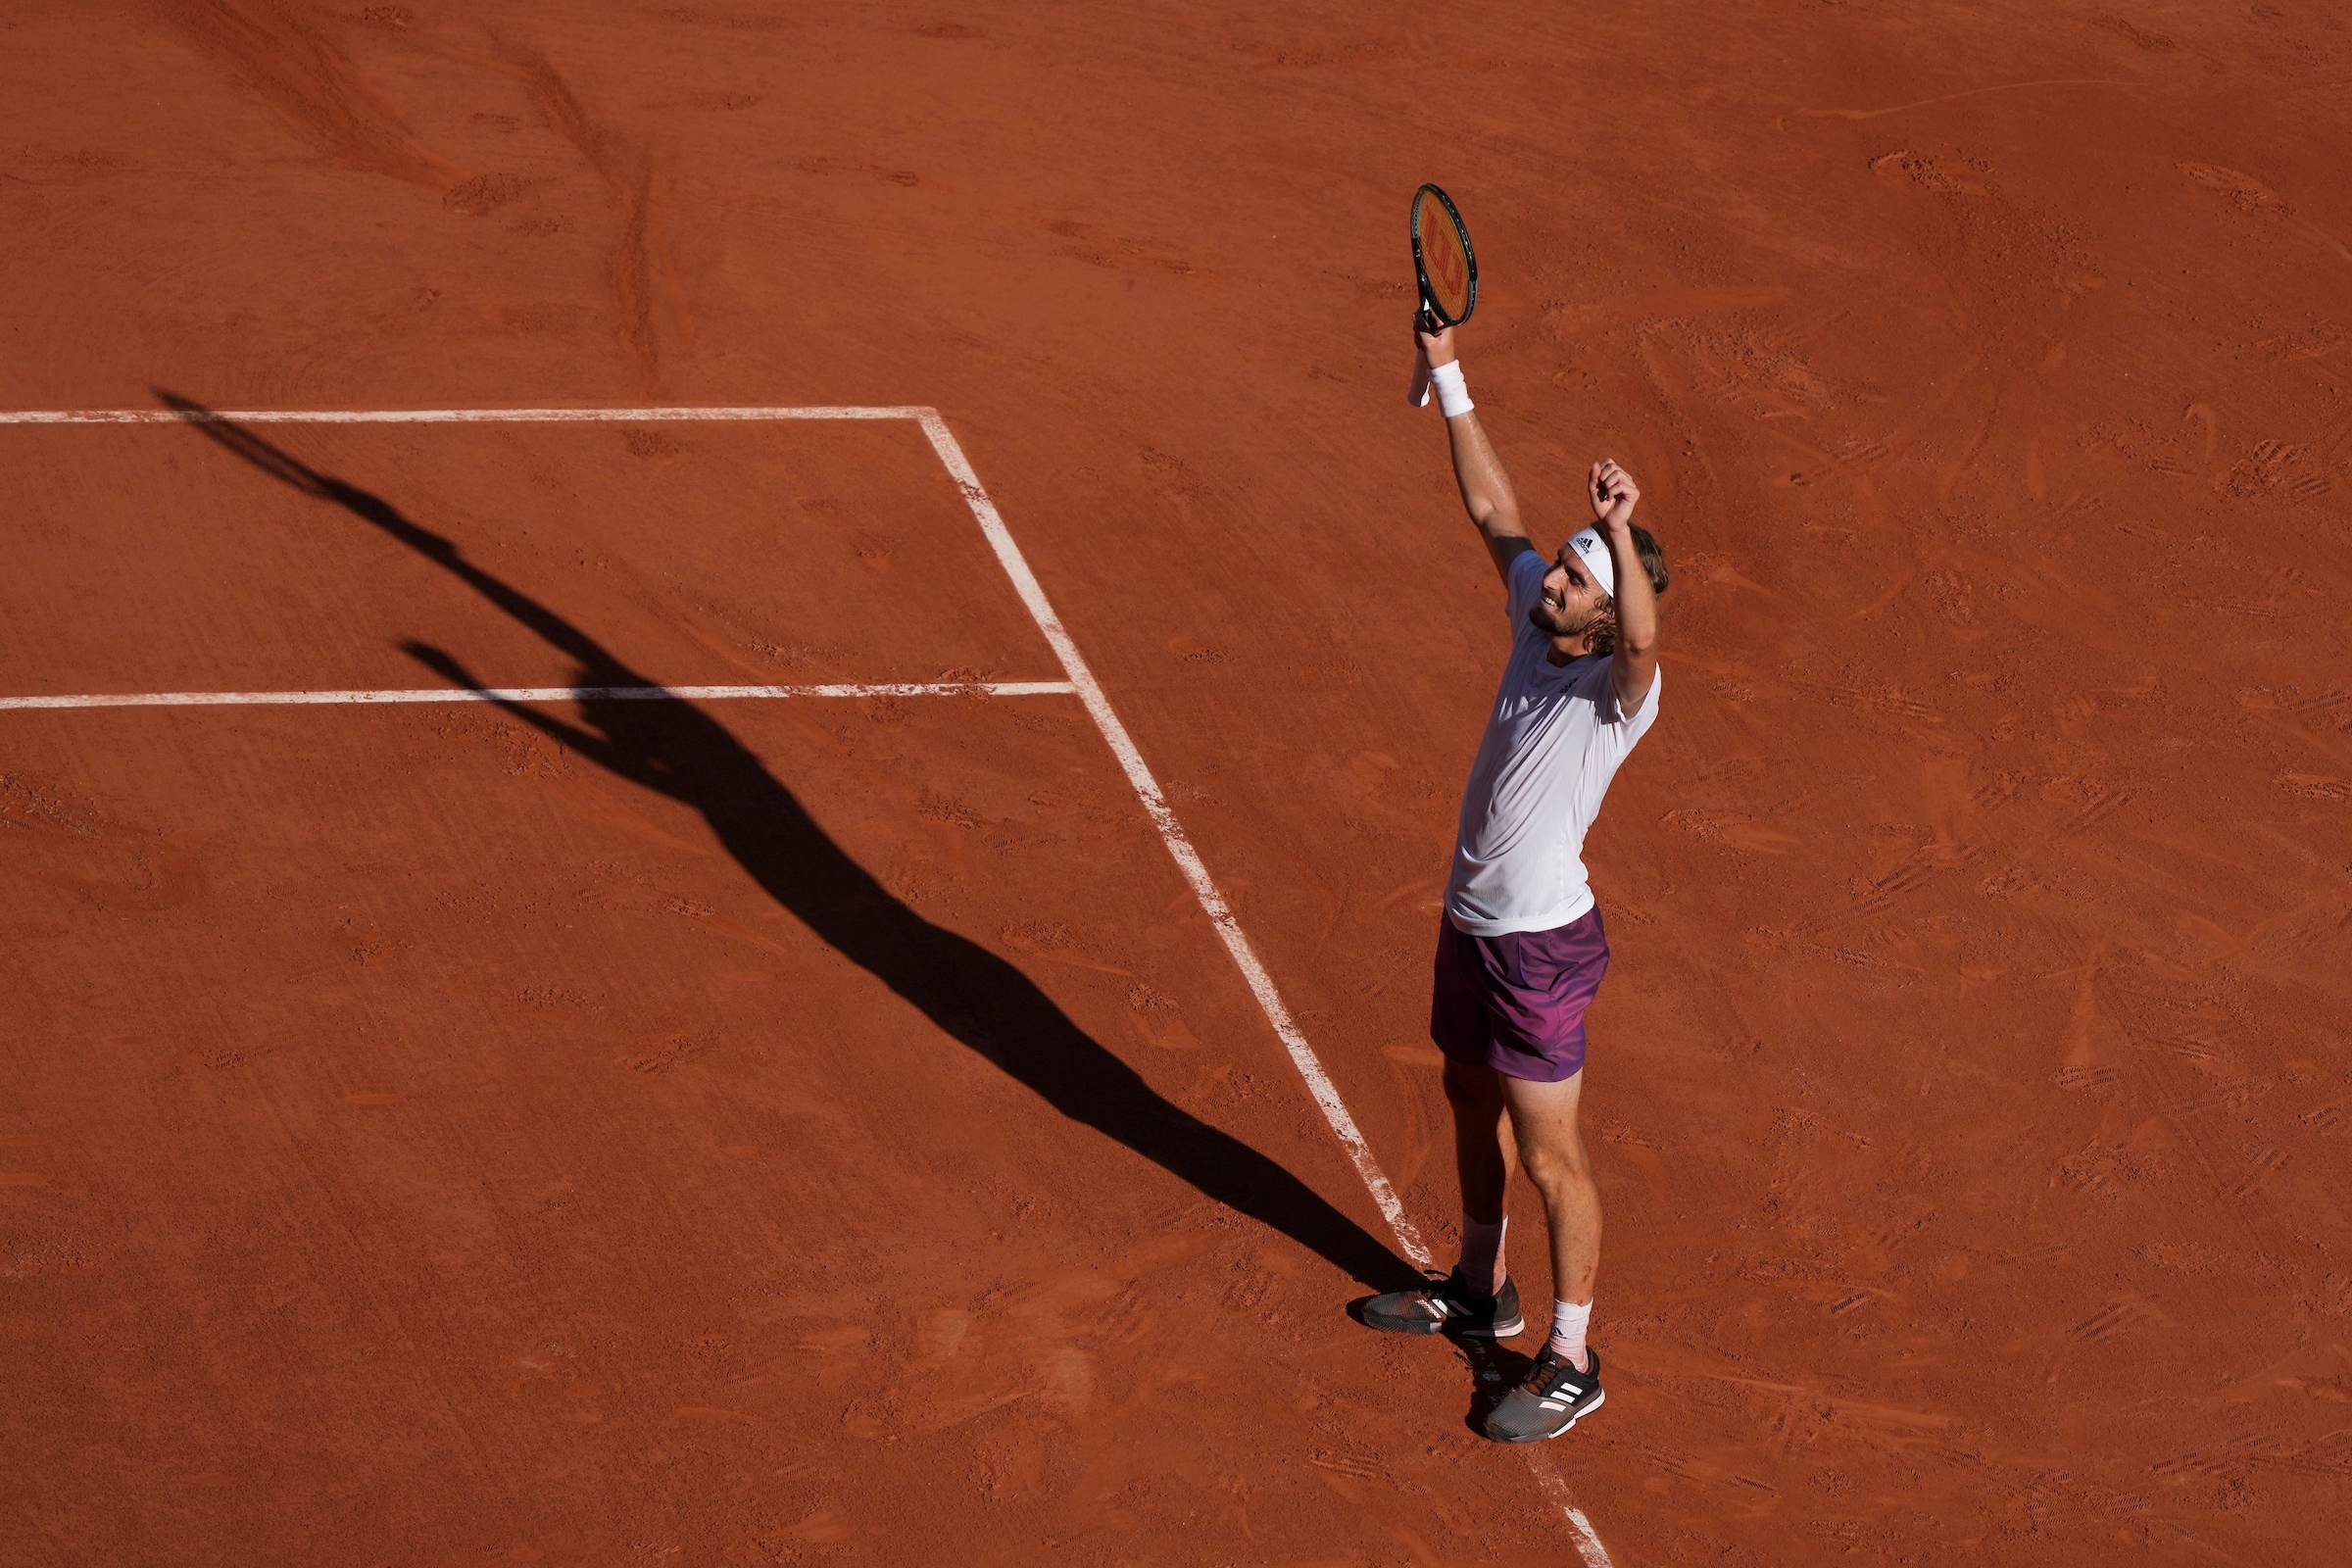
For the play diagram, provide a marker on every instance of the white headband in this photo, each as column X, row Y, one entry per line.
column 1593, row 553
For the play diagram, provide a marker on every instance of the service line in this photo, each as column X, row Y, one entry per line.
column 543, row 694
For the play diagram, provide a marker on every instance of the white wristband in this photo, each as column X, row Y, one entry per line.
column 1452, row 396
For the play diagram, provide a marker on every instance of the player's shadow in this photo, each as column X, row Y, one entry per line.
column 676, row 748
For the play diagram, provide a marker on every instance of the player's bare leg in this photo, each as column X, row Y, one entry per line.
column 1565, row 1385
column 1478, row 1297
column 1497, row 1119
column 1482, row 1139
column 1551, row 1151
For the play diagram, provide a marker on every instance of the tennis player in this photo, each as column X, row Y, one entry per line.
column 1520, row 950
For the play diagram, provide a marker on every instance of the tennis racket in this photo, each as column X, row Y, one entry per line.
column 1445, row 267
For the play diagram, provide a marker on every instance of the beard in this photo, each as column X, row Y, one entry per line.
column 1596, row 622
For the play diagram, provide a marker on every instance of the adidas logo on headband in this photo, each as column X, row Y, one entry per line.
column 1594, row 552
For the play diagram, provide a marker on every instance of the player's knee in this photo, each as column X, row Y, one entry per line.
column 1553, row 1167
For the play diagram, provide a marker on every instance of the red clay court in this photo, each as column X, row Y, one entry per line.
column 774, row 1082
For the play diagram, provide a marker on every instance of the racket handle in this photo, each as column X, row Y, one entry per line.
column 1424, row 320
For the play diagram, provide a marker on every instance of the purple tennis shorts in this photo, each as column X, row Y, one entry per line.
column 1516, row 1003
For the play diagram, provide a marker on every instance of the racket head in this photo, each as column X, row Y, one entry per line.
column 1444, row 262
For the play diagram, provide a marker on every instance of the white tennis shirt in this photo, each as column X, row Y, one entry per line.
column 1553, row 743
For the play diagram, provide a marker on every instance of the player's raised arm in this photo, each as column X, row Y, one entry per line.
column 1486, row 493
column 1635, row 658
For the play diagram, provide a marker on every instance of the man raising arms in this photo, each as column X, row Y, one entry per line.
column 1520, row 950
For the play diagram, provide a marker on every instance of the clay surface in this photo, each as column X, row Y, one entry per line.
column 783, row 1132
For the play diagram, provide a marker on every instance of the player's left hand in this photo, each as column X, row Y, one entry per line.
column 1613, row 494
column 1436, row 348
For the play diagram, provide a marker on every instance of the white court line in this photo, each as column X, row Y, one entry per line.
column 649, row 416
column 1587, row 1540
column 1081, row 682
column 542, row 694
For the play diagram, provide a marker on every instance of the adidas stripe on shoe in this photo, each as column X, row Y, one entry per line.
column 1552, row 1397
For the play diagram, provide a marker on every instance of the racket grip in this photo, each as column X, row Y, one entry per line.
column 1424, row 320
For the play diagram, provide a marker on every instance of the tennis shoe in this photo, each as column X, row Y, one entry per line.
column 1552, row 1397
column 1449, row 1306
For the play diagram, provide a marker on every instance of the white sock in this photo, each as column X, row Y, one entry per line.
column 1568, row 1332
